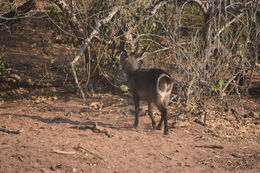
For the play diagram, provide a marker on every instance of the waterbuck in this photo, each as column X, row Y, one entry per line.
column 151, row 85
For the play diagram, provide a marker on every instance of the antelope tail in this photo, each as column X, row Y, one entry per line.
column 164, row 85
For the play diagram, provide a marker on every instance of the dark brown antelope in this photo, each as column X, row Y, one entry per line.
column 151, row 85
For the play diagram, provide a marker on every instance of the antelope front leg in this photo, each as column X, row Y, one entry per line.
column 137, row 110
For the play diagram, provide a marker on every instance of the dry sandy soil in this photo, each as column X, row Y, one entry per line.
column 65, row 136
column 58, row 134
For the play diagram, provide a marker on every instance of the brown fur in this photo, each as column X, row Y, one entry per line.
column 144, row 85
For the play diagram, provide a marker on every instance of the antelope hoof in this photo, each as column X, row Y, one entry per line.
column 154, row 125
column 166, row 132
column 158, row 127
column 135, row 124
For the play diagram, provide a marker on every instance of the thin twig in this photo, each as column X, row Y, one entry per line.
column 231, row 79
column 79, row 147
column 168, row 157
column 63, row 152
column 189, row 89
column 227, row 25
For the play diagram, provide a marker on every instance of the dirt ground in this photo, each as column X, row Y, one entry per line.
column 54, row 132
column 65, row 136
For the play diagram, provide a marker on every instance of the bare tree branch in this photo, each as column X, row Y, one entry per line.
column 227, row 25
column 86, row 44
column 67, row 8
column 18, row 13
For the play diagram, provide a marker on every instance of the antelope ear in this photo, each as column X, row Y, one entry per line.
column 123, row 55
column 122, row 59
column 141, row 56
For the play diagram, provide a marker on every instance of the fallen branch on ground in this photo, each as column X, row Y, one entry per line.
column 4, row 129
column 235, row 113
column 94, row 128
column 237, row 155
column 167, row 157
column 210, row 146
column 62, row 152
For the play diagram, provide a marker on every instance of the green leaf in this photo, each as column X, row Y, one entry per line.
column 220, row 84
column 124, row 88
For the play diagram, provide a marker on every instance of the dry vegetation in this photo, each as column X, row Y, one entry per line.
column 54, row 54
